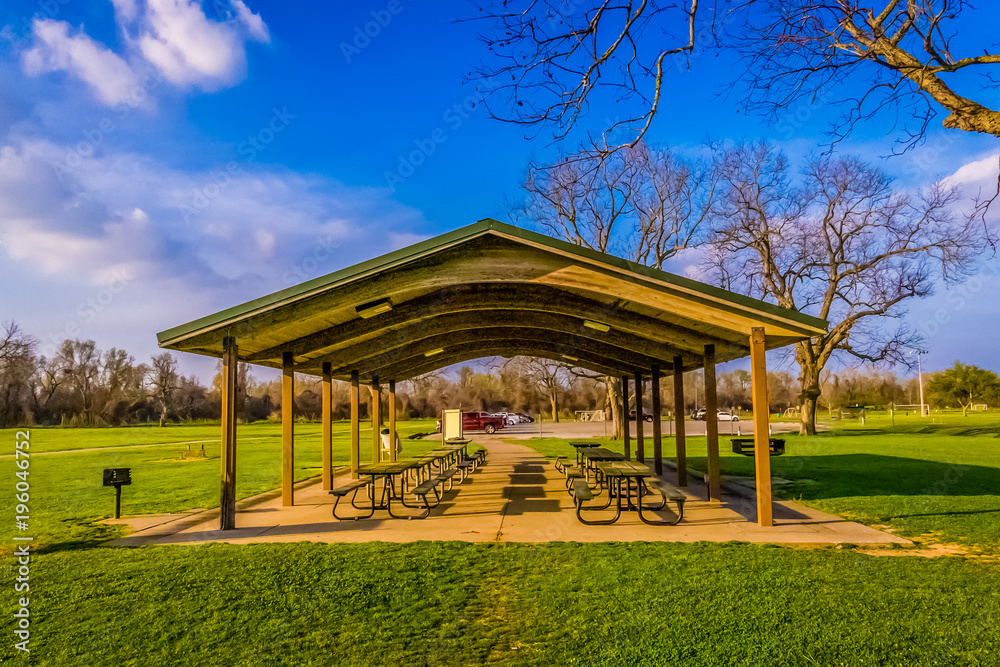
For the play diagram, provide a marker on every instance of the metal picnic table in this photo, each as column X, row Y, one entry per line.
column 581, row 445
column 616, row 477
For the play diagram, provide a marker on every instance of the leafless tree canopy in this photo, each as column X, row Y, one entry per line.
column 639, row 202
column 895, row 59
column 552, row 58
column 841, row 243
column 550, row 62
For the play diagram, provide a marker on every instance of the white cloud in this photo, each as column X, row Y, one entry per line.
column 173, row 36
column 122, row 212
column 56, row 49
column 193, row 50
column 977, row 172
column 253, row 22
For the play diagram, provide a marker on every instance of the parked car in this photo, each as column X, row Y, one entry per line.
column 646, row 417
column 509, row 417
column 482, row 421
column 721, row 415
column 524, row 419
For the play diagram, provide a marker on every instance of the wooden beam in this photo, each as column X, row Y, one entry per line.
column 355, row 425
column 761, row 431
column 227, row 464
column 679, row 422
column 392, row 420
column 287, row 430
column 657, row 426
column 327, row 427
column 420, row 364
column 625, row 435
column 469, row 325
column 640, row 435
column 425, row 312
column 488, row 335
column 376, row 394
column 712, row 426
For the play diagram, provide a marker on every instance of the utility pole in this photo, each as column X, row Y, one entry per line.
column 920, row 378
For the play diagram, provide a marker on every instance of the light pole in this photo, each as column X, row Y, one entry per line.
column 920, row 379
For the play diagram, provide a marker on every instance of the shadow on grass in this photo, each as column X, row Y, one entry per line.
column 848, row 475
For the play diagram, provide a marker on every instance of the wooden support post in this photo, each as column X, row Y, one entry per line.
column 712, row 426
column 287, row 430
column 227, row 465
column 640, row 434
column 761, row 432
column 355, row 424
column 376, row 392
column 625, row 437
column 679, row 419
column 657, row 427
column 392, row 421
column 327, row 427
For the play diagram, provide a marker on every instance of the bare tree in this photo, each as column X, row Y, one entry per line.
column 121, row 383
column 163, row 380
column 80, row 364
column 900, row 52
column 17, row 364
column 550, row 62
column 845, row 245
column 550, row 377
column 639, row 202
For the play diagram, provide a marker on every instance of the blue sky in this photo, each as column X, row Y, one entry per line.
column 252, row 149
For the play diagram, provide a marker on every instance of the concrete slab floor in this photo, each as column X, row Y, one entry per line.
column 518, row 496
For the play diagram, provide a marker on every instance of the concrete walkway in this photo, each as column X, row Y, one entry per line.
column 517, row 497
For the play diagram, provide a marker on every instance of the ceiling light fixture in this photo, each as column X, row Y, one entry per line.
column 374, row 308
column 569, row 358
column 433, row 352
column 596, row 326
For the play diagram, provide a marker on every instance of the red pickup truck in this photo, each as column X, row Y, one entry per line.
column 481, row 421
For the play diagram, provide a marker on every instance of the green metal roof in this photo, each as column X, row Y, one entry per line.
column 556, row 280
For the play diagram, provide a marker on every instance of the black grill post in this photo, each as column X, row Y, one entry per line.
column 118, row 477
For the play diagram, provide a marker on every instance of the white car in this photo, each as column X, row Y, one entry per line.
column 509, row 417
column 726, row 416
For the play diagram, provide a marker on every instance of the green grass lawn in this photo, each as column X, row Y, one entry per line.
column 68, row 499
column 936, row 479
column 474, row 604
column 445, row 603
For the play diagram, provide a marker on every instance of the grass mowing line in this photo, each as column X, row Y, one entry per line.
column 155, row 444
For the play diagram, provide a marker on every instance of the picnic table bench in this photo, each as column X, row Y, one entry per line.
column 353, row 486
column 745, row 446
column 618, row 478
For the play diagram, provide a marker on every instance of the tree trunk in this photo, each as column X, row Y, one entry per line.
column 809, row 379
column 554, row 400
column 614, row 403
